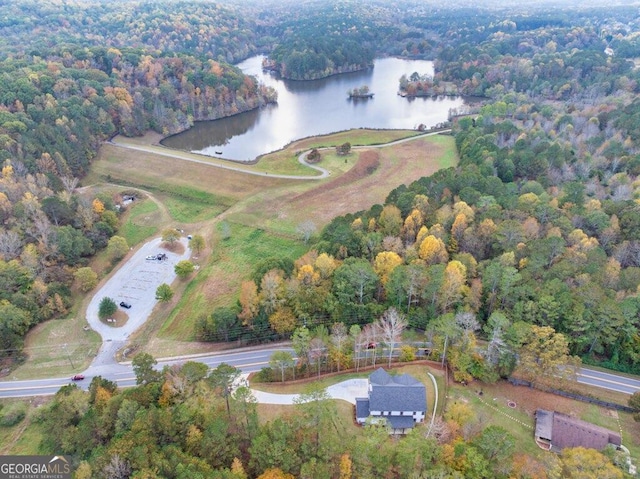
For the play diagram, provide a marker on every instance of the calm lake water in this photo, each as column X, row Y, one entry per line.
column 308, row 108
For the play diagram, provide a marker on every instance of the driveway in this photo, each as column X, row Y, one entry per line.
column 135, row 283
column 347, row 390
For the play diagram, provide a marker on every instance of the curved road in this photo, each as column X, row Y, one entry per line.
column 176, row 154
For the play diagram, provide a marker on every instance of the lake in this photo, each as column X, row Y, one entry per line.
column 309, row 108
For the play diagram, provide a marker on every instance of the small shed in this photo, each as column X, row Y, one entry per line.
column 557, row 431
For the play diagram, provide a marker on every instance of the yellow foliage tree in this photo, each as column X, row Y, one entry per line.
column 307, row 275
column 326, row 265
column 385, row 263
column 345, row 467
column 282, row 320
column 237, row 469
column 275, row 473
column 459, row 225
column 432, row 250
column 98, row 206
column 454, row 286
column 422, row 234
column 584, row 463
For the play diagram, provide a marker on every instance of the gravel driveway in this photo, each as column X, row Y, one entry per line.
column 135, row 282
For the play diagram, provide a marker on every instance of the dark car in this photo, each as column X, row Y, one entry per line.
column 124, row 305
column 77, row 377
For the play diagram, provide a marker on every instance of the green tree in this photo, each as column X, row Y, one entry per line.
column 197, row 244
column 117, row 247
column 86, row 278
column 106, row 308
column 184, row 268
column 143, row 368
column 170, row 235
column 164, row 293
column 634, row 403
column 222, row 379
column 282, row 360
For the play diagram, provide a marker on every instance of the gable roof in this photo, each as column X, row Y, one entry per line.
column 567, row 431
column 396, row 393
column 362, row 408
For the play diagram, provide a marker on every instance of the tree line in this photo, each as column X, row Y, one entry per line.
column 188, row 422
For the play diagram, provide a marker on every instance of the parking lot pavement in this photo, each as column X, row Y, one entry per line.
column 135, row 283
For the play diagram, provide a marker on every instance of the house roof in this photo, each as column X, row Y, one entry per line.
column 401, row 422
column 544, row 424
column 396, row 393
column 567, row 431
column 362, row 408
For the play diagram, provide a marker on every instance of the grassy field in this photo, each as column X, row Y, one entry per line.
column 24, row 437
column 263, row 213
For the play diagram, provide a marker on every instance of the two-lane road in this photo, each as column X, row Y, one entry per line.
column 611, row 381
column 122, row 374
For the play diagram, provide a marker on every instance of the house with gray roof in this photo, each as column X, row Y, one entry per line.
column 400, row 400
column 555, row 431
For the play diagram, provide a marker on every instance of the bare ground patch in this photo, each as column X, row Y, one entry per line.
column 368, row 162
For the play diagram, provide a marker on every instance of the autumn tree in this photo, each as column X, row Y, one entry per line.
column 453, row 286
column 249, row 302
column 544, row 356
column 432, row 250
column 283, row 320
column 584, row 463
column 385, row 263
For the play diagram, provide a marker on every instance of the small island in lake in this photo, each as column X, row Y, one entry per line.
column 361, row 92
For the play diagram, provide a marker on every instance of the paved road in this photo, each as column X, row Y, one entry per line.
column 609, row 381
column 247, row 360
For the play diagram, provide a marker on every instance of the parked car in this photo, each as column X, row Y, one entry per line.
column 77, row 377
column 153, row 256
column 124, row 304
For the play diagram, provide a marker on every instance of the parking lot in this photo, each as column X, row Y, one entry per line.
column 134, row 283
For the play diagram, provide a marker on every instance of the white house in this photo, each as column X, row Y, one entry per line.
column 401, row 400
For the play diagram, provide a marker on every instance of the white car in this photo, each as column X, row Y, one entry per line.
column 153, row 256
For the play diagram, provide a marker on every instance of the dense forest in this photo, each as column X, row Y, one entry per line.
column 537, row 226
column 532, row 240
